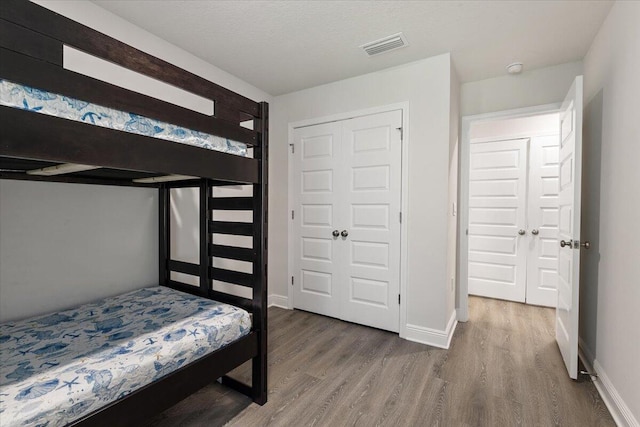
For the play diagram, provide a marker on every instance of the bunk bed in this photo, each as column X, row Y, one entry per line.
column 52, row 130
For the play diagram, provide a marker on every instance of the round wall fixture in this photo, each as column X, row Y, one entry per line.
column 514, row 68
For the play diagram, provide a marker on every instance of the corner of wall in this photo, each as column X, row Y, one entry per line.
column 452, row 208
column 278, row 301
column 433, row 337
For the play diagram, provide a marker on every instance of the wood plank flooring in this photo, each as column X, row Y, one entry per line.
column 503, row 369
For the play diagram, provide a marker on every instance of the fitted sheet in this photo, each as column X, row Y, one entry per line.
column 60, row 367
column 39, row 101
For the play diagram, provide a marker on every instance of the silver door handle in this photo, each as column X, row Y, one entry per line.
column 522, row 232
column 335, row 233
column 568, row 244
column 344, row 233
column 535, row 232
column 586, row 244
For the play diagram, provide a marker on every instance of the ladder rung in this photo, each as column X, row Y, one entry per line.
column 184, row 267
column 231, row 203
column 232, row 252
column 228, row 227
column 229, row 276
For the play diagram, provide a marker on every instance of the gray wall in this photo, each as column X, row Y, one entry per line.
column 66, row 244
column 611, row 206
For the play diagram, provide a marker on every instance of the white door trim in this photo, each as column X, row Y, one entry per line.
column 404, row 107
column 463, row 201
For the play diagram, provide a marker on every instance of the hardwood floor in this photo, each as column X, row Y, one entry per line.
column 503, row 369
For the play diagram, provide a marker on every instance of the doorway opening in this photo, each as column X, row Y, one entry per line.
column 566, row 215
column 509, row 207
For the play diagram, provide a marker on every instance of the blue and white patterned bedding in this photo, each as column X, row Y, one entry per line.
column 52, row 104
column 60, row 367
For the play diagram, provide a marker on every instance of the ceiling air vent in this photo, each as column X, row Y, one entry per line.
column 395, row 41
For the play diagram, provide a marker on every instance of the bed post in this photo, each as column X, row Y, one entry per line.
column 205, row 237
column 163, row 240
column 260, row 205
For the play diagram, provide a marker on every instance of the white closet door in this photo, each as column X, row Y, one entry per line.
column 347, row 178
column 497, row 219
column 370, row 215
column 317, row 189
column 542, row 264
column 569, row 227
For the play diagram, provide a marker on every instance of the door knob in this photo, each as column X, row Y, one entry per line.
column 535, row 232
column 586, row 244
column 521, row 232
column 569, row 244
column 344, row 233
column 335, row 233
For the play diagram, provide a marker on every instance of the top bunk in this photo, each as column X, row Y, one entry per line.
column 62, row 125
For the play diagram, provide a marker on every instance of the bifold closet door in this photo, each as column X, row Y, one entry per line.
column 346, row 233
column 497, row 219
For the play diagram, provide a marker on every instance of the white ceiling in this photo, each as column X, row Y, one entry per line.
column 284, row 46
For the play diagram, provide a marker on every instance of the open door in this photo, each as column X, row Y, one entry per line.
column 569, row 227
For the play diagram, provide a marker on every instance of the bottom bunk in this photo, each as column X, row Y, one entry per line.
column 117, row 361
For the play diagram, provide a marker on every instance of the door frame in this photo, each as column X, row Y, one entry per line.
column 462, row 308
column 404, row 183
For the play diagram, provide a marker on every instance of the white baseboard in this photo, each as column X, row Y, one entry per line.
column 619, row 410
column 278, row 301
column 433, row 337
column 617, row 407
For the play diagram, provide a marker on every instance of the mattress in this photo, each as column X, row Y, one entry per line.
column 38, row 101
column 60, row 367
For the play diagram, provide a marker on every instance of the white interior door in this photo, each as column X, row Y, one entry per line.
column 317, row 187
column 497, row 219
column 347, row 179
column 542, row 263
column 569, row 226
column 371, row 214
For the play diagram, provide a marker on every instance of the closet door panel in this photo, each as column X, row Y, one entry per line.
column 497, row 214
column 372, row 167
column 317, row 189
column 542, row 265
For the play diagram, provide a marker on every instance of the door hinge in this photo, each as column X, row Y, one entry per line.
column 398, row 298
column 293, row 214
column 401, row 133
column 293, row 148
column 291, row 280
column 400, row 217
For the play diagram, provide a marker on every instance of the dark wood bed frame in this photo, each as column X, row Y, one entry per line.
column 31, row 48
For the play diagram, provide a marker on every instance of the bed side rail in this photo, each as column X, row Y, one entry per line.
column 142, row 404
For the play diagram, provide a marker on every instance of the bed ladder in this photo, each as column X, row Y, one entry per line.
column 256, row 203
